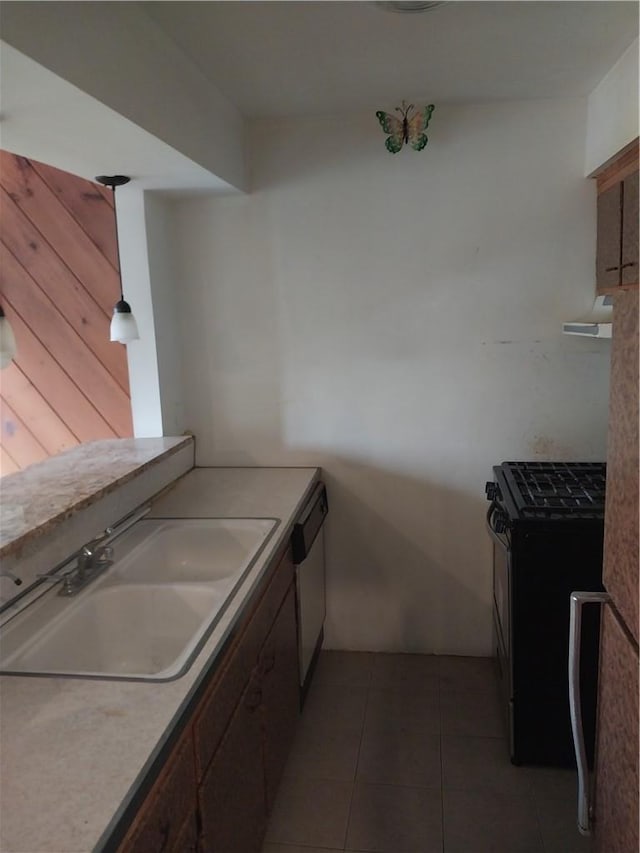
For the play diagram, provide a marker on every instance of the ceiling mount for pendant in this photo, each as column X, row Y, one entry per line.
column 113, row 181
column 409, row 5
column 123, row 324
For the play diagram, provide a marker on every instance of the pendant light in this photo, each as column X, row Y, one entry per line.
column 7, row 341
column 123, row 324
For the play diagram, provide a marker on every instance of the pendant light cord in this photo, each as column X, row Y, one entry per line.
column 115, row 216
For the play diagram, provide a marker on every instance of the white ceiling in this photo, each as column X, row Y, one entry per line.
column 314, row 58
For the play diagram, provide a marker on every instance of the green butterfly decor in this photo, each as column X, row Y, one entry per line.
column 410, row 128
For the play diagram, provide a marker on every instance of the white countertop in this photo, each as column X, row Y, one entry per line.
column 74, row 750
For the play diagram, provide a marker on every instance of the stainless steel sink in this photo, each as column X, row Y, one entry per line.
column 149, row 613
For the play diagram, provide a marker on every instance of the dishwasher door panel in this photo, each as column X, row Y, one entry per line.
column 310, row 583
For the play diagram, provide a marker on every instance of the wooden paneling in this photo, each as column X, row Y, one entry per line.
column 58, row 285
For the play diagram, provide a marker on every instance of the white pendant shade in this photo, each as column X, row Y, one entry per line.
column 7, row 343
column 124, row 327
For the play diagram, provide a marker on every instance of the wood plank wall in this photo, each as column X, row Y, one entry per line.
column 58, row 285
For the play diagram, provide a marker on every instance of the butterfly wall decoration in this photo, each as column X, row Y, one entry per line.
column 408, row 129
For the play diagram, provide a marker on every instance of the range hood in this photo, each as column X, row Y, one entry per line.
column 595, row 324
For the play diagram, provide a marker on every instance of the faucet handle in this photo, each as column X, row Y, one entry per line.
column 66, row 579
column 6, row 574
column 88, row 549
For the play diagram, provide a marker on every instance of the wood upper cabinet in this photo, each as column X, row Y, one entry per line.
column 617, row 230
column 629, row 251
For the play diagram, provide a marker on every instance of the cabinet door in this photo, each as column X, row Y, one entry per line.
column 616, row 794
column 232, row 796
column 629, row 268
column 609, row 237
column 280, row 693
column 225, row 690
column 161, row 819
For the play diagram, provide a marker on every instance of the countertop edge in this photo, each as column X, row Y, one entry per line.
column 74, row 505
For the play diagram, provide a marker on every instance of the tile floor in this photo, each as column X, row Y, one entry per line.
column 407, row 754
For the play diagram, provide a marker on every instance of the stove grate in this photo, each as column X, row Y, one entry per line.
column 557, row 488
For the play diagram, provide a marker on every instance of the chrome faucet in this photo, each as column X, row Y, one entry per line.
column 91, row 560
column 4, row 573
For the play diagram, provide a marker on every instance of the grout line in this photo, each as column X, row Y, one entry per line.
column 355, row 774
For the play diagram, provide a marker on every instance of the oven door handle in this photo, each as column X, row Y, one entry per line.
column 499, row 536
column 576, row 602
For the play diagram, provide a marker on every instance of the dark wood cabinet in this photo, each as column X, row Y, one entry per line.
column 280, row 694
column 160, row 823
column 617, row 223
column 217, row 787
column 232, row 794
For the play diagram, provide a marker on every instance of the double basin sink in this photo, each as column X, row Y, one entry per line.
column 150, row 612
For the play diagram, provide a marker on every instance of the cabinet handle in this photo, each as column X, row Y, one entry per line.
column 253, row 700
column 576, row 603
column 269, row 662
column 630, row 264
column 611, row 269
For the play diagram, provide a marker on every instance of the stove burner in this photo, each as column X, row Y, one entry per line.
column 557, row 488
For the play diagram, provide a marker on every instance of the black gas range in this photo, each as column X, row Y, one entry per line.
column 546, row 520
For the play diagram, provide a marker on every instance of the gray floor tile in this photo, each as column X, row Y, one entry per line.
column 389, row 819
column 472, row 713
column 352, row 668
column 310, row 812
column 467, row 673
column 404, row 670
column 324, row 753
column 557, row 819
column 486, row 822
column 335, row 706
column 552, row 782
column 400, row 757
column 404, row 708
column 481, row 764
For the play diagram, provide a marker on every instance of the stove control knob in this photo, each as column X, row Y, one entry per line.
column 499, row 523
column 492, row 491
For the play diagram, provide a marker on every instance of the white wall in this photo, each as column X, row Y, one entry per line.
column 612, row 118
column 118, row 55
column 397, row 320
column 150, row 286
column 165, row 296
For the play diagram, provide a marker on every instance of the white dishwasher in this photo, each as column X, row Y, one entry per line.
column 307, row 544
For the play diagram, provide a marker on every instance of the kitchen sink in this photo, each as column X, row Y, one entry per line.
column 193, row 550
column 149, row 613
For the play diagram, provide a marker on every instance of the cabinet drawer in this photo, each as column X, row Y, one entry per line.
column 162, row 816
column 224, row 693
